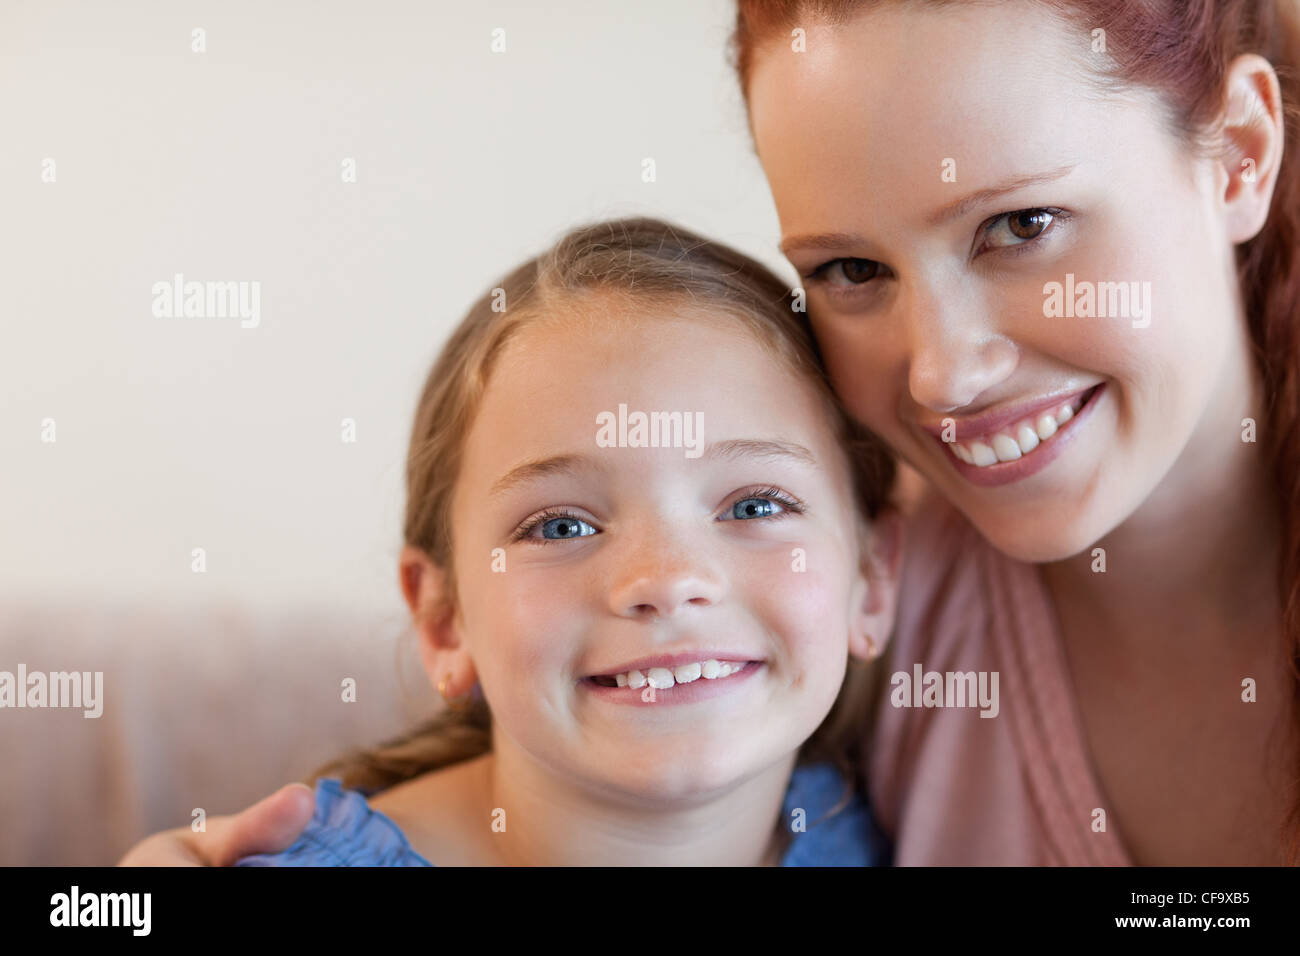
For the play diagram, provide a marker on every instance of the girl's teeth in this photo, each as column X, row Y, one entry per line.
column 661, row 678
column 1020, row 440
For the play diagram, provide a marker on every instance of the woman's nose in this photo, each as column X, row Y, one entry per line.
column 957, row 352
column 659, row 580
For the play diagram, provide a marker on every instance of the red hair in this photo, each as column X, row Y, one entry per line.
column 1181, row 49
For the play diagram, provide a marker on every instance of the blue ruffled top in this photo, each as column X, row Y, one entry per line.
column 346, row 831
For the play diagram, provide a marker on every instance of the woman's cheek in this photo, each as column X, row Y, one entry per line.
column 858, row 371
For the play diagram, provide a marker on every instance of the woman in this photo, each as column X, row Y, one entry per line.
column 1049, row 256
column 1131, row 572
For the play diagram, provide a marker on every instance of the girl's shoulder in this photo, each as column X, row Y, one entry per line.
column 390, row 827
column 827, row 828
column 344, row 831
column 353, row 828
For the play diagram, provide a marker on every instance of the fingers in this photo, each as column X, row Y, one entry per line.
column 168, row 848
column 268, row 826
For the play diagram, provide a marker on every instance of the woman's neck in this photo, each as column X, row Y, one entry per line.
column 549, row 820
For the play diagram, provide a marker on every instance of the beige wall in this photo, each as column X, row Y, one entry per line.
column 182, row 433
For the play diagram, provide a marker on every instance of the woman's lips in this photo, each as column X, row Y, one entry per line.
column 976, row 426
column 1051, row 435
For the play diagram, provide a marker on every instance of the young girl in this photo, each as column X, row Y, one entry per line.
column 1050, row 251
column 637, row 527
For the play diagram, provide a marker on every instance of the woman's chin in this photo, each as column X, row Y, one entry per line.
column 1037, row 542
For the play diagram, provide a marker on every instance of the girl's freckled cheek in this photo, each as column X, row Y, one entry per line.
column 805, row 605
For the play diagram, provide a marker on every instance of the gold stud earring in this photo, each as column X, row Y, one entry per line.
column 457, row 704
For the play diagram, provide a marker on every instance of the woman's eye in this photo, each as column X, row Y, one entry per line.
column 1020, row 227
column 851, row 271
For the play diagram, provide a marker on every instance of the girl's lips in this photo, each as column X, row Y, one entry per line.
column 699, row 689
column 1035, row 461
column 672, row 660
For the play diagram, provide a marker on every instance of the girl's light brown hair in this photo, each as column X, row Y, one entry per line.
column 1181, row 49
column 636, row 261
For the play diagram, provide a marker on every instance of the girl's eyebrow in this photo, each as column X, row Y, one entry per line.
column 731, row 449
column 959, row 207
column 761, row 448
column 541, row 468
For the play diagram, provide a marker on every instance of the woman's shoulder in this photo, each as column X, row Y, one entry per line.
column 345, row 830
column 945, row 565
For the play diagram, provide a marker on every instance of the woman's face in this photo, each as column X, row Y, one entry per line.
column 936, row 170
column 583, row 552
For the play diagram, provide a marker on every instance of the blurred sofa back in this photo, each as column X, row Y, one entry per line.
column 208, row 708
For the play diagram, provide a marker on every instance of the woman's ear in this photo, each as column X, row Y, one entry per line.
column 1253, row 129
column 875, row 602
column 437, row 623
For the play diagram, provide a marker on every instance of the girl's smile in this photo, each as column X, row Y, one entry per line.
column 698, row 678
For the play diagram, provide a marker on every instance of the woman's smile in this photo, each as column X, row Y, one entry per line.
column 997, row 450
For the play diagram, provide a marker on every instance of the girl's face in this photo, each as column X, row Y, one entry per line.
column 579, row 558
column 936, row 171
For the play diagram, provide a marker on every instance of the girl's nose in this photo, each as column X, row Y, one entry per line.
column 957, row 352
column 660, row 583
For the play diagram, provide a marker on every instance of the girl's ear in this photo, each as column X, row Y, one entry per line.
column 437, row 624
column 1253, row 130
column 876, row 591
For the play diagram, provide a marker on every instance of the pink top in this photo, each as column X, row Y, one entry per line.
column 950, row 786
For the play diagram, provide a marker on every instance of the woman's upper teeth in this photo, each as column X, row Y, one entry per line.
column 1008, row 444
column 661, row 678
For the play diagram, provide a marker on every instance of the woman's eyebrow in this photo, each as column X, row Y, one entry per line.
column 822, row 240
column 960, row 207
column 954, row 209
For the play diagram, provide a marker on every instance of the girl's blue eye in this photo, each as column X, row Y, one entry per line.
column 767, row 503
column 754, row 508
column 566, row 527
